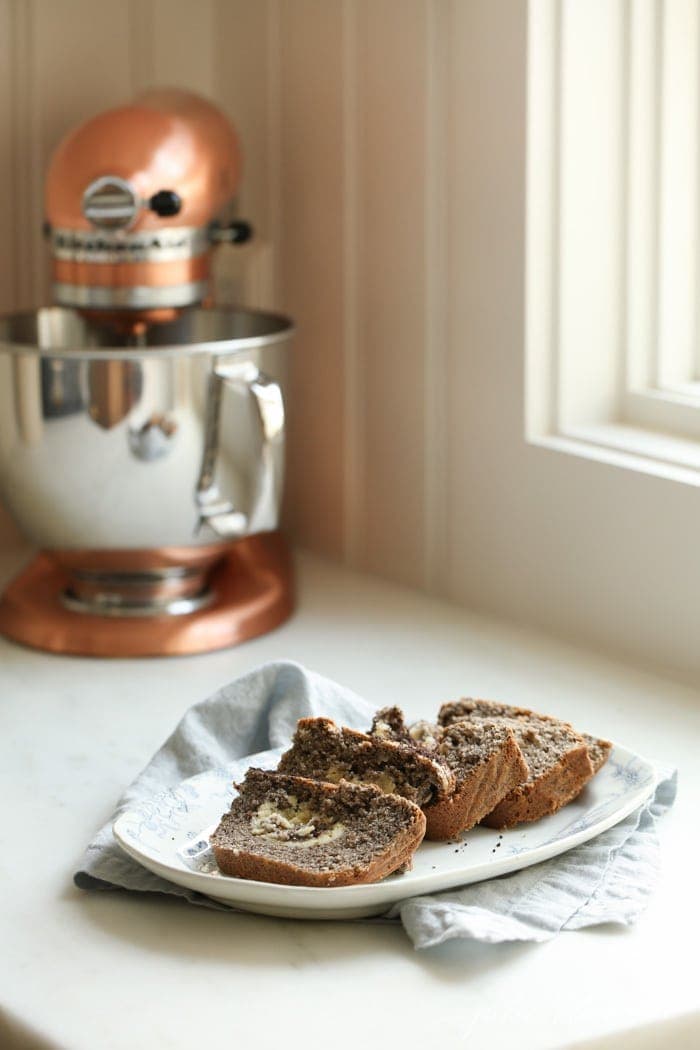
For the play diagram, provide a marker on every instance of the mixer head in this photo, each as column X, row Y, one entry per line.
column 136, row 198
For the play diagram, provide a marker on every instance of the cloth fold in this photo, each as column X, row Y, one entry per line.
column 608, row 879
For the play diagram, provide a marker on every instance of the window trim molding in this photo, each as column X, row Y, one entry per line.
column 610, row 360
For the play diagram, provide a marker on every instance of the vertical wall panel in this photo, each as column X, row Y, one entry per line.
column 8, row 532
column 70, row 75
column 354, row 452
column 311, row 135
column 24, row 149
column 183, row 44
column 172, row 42
column 141, row 28
column 487, row 165
column 7, row 284
column 437, row 293
column 241, row 87
column 392, row 150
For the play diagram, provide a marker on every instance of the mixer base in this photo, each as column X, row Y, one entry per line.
column 252, row 593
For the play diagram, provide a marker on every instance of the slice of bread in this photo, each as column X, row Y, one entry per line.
column 323, row 751
column 488, row 764
column 484, row 757
column 557, row 757
column 302, row 832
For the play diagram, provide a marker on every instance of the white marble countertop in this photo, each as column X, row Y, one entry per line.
column 117, row 971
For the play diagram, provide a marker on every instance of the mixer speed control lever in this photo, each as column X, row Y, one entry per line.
column 236, row 232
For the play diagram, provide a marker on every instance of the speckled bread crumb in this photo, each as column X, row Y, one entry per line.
column 379, row 833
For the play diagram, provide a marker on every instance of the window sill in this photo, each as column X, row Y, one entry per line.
column 622, row 445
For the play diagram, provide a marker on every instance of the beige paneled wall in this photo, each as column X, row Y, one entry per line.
column 364, row 111
column 242, row 76
column 309, row 42
column 338, row 105
column 343, row 109
column 358, row 129
column 392, row 170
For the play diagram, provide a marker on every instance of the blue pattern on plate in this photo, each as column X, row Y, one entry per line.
column 162, row 815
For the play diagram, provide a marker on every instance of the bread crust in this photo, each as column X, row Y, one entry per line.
column 482, row 789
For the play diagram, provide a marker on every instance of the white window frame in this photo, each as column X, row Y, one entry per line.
column 613, row 232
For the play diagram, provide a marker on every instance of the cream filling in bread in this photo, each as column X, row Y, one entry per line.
column 296, row 824
column 382, row 730
column 382, row 780
column 425, row 733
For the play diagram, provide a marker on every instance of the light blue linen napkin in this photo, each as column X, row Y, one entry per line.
column 608, row 879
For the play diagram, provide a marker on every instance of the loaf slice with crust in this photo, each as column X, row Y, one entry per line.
column 302, row 832
column 484, row 757
column 488, row 764
column 557, row 756
column 323, row 751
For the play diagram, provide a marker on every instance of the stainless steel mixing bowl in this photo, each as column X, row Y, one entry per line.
column 156, row 441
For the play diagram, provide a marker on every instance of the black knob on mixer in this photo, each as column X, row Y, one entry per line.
column 165, row 203
column 238, row 231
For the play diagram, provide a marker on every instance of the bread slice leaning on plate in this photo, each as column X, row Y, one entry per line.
column 488, row 765
column 302, row 832
column 559, row 759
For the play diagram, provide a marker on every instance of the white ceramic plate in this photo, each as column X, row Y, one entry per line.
column 168, row 834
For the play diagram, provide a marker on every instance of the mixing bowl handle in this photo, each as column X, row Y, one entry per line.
column 215, row 509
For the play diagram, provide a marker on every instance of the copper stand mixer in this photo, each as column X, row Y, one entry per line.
column 141, row 442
